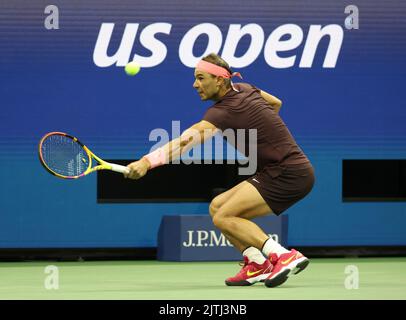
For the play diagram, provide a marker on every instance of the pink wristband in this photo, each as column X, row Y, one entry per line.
column 156, row 158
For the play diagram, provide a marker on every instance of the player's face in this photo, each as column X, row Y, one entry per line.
column 206, row 85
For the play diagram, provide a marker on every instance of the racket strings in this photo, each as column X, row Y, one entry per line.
column 64, row 156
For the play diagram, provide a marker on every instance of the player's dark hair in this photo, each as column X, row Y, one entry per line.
column 219, row 61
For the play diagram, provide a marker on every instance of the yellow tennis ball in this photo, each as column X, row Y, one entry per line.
column 132, row 68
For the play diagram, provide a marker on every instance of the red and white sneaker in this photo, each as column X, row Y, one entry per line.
column 251, row 273
column 288, row 263
column 273, row 259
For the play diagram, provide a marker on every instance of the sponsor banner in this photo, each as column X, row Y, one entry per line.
column 195, row 238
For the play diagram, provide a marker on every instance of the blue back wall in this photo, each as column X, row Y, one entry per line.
column 51, row 81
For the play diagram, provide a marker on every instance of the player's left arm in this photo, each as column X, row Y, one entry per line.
column 272, row 100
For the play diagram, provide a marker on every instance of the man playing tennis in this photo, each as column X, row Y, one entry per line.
column 284, row 174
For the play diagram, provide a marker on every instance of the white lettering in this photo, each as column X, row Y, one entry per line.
column 336, row 34
column 275, row 44
column 235, row 33
column 190, row 238
column 202, row 235
column 122, row 55
column 187, row 311
column 220, row 241
column 186, row 45
column 283, row 39
column 149, row 42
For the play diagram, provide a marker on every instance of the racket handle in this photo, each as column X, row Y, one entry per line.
column 119, row 168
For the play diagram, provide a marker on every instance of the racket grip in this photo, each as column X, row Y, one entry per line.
column 119, row 168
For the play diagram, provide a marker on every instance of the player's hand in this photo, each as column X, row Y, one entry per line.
column 138, row 169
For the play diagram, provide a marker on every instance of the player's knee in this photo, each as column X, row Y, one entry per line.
column 222, row 223
column 214, row 207
column 218, row 221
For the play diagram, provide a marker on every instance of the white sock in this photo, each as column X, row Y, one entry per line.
column 254, row 255
column 271, row 246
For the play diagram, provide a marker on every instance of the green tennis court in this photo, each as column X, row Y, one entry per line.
column 378, row 278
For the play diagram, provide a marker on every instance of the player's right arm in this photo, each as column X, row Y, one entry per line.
column 196, row 134
column 272, row 100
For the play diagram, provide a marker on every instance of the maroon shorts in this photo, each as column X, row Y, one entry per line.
column 281, row 187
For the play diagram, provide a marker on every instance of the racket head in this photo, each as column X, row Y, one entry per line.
column 64, row 155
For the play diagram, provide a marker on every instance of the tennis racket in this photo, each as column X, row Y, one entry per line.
column 66, row 157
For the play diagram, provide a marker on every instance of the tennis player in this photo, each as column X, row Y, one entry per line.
column 284, row 174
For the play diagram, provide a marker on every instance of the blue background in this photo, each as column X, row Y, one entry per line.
column 49, row 82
